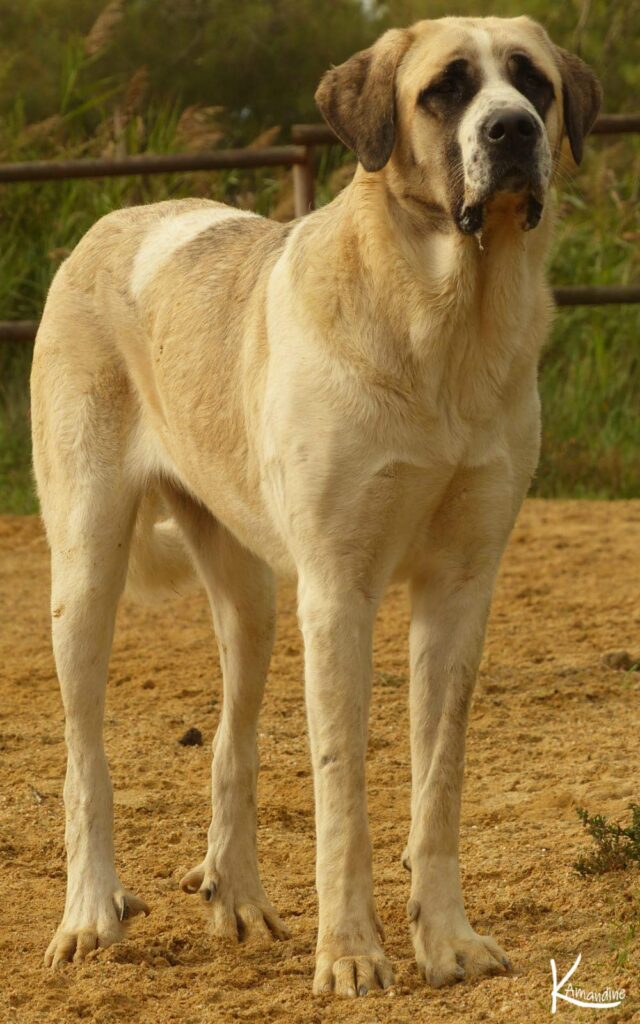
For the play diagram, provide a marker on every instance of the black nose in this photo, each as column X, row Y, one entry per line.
column 511, row 129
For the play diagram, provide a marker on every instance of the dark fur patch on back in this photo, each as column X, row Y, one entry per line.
column 259, row 237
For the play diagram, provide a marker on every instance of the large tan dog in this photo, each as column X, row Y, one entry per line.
column 349, row 398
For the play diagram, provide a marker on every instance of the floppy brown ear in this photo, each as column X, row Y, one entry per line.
column 581, row 97
column 357, row 99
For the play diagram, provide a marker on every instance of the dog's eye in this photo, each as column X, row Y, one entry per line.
column 533, row 79
column 453, row 87
column 447, row 85
column 531, row 82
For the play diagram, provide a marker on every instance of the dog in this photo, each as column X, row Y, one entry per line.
column 346, row 400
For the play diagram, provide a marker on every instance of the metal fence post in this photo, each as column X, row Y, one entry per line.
column 304, row 191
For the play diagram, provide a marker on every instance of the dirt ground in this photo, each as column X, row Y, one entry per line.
column 551, row 728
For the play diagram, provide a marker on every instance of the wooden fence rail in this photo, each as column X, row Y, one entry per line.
column 216, row 160
column 311, row 135
column 300, row 158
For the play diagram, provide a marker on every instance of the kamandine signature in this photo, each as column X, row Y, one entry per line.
column 604, row 1000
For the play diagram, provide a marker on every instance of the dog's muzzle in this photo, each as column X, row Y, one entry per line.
column 509, row 145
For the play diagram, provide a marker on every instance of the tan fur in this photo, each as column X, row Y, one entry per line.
column 348, row 399
column 159, row 564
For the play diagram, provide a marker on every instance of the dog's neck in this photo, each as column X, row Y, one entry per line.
column 456, row 305
column 421, row 268
column 421, row 253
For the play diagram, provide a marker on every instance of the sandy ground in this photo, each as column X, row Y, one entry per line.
column 551, row 728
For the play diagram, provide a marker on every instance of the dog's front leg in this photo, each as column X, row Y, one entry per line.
column 337, row 629
column 447, row 630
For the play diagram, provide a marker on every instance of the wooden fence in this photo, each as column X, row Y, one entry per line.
column 300, row 157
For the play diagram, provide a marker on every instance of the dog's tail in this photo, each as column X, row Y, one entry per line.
column 159, row 564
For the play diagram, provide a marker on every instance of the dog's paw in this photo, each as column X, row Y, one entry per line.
column 238, row 912
column 445, row 959
column 97, row 920
column 351, row 968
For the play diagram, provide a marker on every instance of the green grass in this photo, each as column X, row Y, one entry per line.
column 590, row 370
column 615, row 847
column 589, row 381
column 16, row 484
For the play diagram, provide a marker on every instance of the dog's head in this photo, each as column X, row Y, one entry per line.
column 463, row 112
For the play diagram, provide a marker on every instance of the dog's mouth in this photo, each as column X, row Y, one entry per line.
column 511, row 181
column 471, row 217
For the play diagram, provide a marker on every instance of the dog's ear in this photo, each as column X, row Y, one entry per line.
column 581, row 98
column 357, row 99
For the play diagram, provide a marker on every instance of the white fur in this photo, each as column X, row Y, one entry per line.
column 169, row 235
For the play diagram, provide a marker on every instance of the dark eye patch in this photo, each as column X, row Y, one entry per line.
column 531, row 82
column 452, row 88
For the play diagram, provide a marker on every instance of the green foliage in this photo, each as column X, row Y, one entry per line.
column 16, row 485
column 590, row 371
column 261, row 59
column 616, row 847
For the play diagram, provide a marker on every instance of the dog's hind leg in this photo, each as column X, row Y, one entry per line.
column 241, row 591
column 79, row 424
column 89, row 550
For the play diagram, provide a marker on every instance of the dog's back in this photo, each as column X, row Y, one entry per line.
column 145, row 297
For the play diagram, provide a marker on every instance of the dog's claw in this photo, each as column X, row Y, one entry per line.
column 208, row 892
column 127, row 905
column 192, row 881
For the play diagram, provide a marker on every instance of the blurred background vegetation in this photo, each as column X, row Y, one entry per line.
column 78, row 78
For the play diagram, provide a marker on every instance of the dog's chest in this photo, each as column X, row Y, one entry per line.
column 456, row 416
